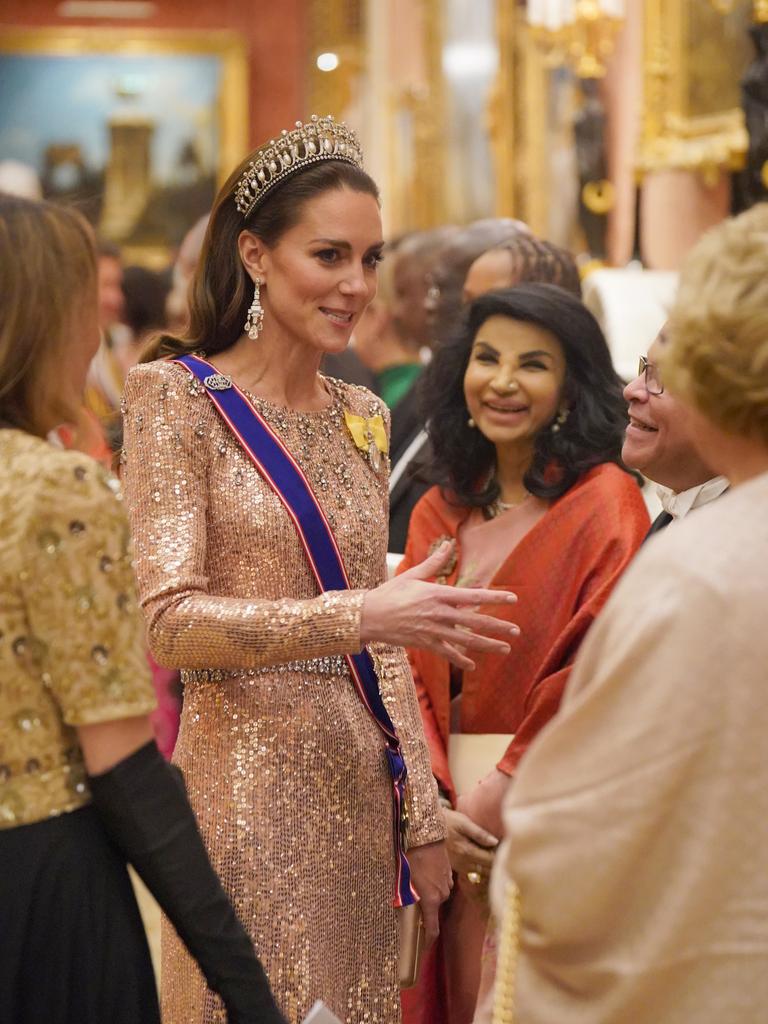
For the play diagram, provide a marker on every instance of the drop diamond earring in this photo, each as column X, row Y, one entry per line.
column 255, row 319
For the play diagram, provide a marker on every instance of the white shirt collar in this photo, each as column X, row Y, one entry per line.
column 679, row 504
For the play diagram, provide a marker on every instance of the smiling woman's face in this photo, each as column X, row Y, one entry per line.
column 514, row 380
column 321, row 274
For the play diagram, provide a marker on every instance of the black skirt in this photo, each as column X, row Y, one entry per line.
column 72, row 945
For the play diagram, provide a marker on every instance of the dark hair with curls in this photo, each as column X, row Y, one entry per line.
column 535, row 259
column 463, row 459
column 221, row 289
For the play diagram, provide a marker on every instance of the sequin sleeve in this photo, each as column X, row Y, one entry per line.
column 86, row 631
column 166, row 481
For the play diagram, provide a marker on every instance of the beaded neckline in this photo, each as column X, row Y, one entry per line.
column 333, row 408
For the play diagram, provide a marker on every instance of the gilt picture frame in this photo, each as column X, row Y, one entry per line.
column 138, row 129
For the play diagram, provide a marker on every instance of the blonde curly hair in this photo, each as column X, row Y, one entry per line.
column 717, row 354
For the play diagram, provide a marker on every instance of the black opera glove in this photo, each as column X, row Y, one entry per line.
column 143, row 805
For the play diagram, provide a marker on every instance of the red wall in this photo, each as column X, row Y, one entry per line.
column 275, row 32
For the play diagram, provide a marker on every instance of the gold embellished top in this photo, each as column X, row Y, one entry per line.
column 285, row 769
column 71, row 644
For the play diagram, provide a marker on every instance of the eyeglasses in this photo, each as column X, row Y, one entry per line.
column 650, row 372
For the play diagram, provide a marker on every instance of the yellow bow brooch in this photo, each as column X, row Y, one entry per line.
column 370, row 436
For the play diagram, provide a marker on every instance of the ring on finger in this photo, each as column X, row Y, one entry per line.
column 474, row 878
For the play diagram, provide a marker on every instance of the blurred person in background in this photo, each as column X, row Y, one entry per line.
column 526, row 425
column 412, row 267
column 393, row 357
column 444, row 297
column 83, row 788
column 177, row 302
column 521, row 258
column 659, row 443
column 145, row 297
column 412, row 276
column 104, row 386
column 632, row 883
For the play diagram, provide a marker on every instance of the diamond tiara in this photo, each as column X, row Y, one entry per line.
column 321, row 138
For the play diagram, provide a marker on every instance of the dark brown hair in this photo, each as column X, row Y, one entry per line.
column 47, row 268
column 221, row 289
column 464, row 459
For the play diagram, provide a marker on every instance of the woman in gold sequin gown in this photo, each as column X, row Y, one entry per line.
column 83, row 787
column 285, row 768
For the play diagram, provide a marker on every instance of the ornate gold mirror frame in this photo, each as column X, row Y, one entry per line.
column 694, row 56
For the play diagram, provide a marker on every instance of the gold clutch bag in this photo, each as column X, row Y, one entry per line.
column 411, row 928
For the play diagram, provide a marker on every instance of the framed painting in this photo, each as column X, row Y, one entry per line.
column 137, row 129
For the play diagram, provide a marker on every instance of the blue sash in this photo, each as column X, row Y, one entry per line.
column 283, row 474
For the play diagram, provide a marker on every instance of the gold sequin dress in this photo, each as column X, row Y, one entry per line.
column 285, row 769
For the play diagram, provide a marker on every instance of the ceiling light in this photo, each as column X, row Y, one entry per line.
column 328, row 61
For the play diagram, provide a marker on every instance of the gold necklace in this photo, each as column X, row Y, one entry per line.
column 497, row 507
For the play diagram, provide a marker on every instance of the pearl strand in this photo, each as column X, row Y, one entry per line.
column 506, row 964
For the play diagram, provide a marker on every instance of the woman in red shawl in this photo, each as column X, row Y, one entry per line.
column 526, row 421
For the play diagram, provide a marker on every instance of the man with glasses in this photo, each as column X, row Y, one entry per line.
column 658, row 444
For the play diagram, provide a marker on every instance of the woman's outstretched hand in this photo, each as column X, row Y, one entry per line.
column 407, row 611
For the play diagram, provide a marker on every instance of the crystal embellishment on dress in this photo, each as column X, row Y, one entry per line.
column 218, row 382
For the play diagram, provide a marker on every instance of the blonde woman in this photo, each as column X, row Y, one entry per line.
column 83, row 788
column 637, row 829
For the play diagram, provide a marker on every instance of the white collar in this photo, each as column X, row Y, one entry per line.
column 679, row 504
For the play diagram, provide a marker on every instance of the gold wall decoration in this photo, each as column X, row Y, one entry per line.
column 760, row 8
column 138, row 127
column 694, row 58
column 531, row 127
column 584, row 38
column 336, row 26
column 599, row 196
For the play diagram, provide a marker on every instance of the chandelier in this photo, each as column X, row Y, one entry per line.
column 577, row 32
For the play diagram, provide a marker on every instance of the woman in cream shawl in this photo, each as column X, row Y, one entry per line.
column 637, row 829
